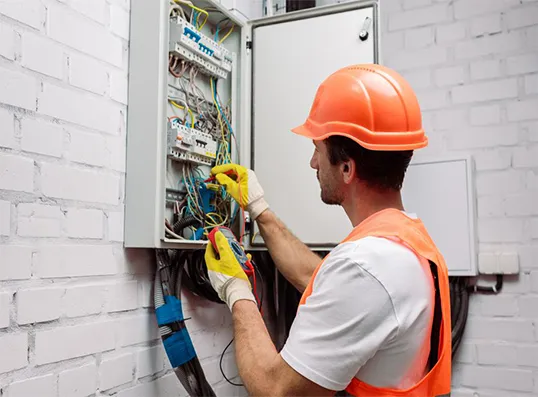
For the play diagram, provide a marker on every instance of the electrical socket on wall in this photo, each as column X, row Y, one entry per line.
column 498, row 263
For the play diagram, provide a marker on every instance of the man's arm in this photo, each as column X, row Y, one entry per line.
column 261, row 368
column 292, row 257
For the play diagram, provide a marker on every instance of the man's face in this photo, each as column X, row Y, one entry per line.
column 329, row 177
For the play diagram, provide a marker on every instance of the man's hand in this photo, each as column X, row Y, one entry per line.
column 226, row 274
column 242, row 184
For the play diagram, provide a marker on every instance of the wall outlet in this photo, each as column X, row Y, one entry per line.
column 498, row 263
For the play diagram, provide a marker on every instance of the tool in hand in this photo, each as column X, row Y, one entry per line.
column 212, row 177
column 237, row 249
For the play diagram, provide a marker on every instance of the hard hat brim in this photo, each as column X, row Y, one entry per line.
column 306, row 131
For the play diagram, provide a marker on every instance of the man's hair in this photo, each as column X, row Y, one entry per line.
column 381, row 170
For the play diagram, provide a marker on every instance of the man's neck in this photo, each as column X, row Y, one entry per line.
column 366, row 202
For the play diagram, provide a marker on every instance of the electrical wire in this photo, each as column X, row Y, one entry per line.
column 188, row 3
column 227, row 35
column 186, row 107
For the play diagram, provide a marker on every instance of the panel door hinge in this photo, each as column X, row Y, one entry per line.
column 249, row 45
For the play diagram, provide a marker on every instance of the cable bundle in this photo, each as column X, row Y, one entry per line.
column 459, row 308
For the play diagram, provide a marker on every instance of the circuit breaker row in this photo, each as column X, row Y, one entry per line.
column 191, row 45
column 190, row 145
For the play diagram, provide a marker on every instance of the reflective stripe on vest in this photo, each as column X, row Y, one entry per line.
column 391, row 223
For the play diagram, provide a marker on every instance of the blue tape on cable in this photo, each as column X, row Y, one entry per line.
column 179, row 348
column 171, row 311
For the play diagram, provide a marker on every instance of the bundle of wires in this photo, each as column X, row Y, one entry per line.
column 174, row 334
column 459, row 307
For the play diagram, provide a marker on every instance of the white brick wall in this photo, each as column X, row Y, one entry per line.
column 484, row 54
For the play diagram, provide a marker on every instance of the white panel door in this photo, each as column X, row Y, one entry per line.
column 290, row 60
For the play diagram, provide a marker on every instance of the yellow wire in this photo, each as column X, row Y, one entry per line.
column 227, row 156
column 191, row 114
column 227, row 34
column 197, row 9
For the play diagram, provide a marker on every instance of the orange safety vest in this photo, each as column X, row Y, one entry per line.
column 391, row 223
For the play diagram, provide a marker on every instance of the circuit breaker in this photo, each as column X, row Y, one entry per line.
column 207, row 88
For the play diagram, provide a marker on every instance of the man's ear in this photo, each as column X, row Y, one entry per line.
column 348, row 171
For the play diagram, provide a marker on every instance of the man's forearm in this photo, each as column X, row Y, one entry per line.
column 292, row 257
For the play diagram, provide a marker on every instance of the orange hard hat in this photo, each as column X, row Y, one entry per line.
column 369, row 103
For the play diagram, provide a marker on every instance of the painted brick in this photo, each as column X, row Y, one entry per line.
column 42, row 137
column 420, row 37
column 123, row 297
column 485, row 115
column 448, row 119
column 528, row 307
column 18, row 89
column 487, row 91
column 7, row 129
column 470, row 8
column 522, row 64
column 150, row 361
column 482, row 137
column 521, row 17
column 526, row 157
column 118, row 86
column 499, row 306
column 528, row 257
column 42, row 386
column 5, row 218
column 534, row 229
column 393, row 42
column 516, row 330
column 490, row 206
column 523, row 110
column 134, row 330
column 42, row 55
column 433, row 99
column 145, row 294
column 168, row 385
column 486, row 45
column 7, row 42
column 517, row 284
column 88, row 74
column 450, row 76
column 29, row 12
column 16, row 262
column 489, row 69
column 38, row 305
column 116, row 147
column 534, row 281
column 78, row 382
column 36, row 220
column 16, row 173
column 14, row 348
column 498, row 378
column 87, row 148
column 418, row 58
column 466, row 353
column 119, row 21
column 76, row 184
column 115, row 226
column 65, row 342
column 95, row 10
column 503, row 182
column 116, row 371
column 419, row 79
column 488, row 24
column 84, row 223
column 84, row 300
column 450, row 33
column 531, row 84
column 526, row 355
column 83, row 35
column 497, row 354
column 71, row 105
column 5, row 302
column 408, row 4
column 420, row 17
column 498, row 159
column 74, row 260
column 500, row 230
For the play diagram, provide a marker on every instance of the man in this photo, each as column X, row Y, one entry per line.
column 374, row 318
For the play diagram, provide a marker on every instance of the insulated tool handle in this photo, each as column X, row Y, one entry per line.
column 212, row 178
column 237, row 249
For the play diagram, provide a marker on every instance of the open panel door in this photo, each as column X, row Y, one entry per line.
column 291, row 55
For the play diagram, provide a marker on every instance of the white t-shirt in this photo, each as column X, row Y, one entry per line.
column 369, row 316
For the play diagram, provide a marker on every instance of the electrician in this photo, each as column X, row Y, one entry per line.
column 374, row 318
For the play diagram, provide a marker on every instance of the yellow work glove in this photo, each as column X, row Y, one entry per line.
column 242, row 184
column 226, row 274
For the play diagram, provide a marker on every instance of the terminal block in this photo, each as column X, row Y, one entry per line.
column 190, row 145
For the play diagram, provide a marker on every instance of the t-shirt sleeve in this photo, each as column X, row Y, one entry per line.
column 341, row 325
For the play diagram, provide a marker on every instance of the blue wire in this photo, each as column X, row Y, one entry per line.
column 222, row 113
column 194, row 18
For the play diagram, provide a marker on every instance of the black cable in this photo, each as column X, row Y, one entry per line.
column 495, row 289
column 260, row 282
